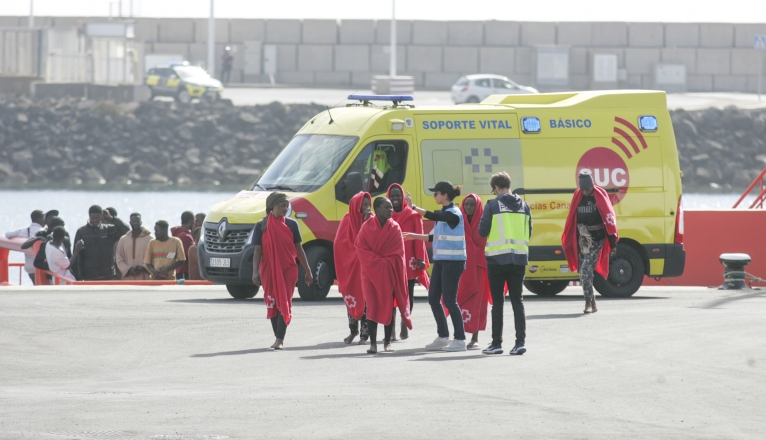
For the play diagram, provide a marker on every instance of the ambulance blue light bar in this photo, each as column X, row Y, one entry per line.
column 395, row 98
column 647, row 123
column 530, row 125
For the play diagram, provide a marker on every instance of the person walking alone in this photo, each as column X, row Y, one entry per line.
column 590, row 235
column 448, row 238
column 507, row 224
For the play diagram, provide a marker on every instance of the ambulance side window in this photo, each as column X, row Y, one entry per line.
column 360, row 165
column 380, row 164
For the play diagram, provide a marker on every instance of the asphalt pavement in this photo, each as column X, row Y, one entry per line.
column 185, row 362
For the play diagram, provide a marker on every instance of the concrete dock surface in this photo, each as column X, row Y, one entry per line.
column 187, row 362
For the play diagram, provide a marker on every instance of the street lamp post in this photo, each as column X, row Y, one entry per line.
column 31, row 13
column 392, row 69
column 211, row 40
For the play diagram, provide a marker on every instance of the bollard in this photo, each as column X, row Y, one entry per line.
column 734, row 271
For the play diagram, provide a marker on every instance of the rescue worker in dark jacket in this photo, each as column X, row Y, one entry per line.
column 100, row 234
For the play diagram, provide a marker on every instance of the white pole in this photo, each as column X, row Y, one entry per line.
column 760, row 75
column 31, row 13
column 392, row 71
column 211, row 41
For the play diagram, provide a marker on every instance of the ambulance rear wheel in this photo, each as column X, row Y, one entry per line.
column 321, row 263
column 240, row 291
column 546, row 287
column 626, row 273
column 472, row 100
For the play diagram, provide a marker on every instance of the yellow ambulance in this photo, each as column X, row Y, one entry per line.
column 543, row 141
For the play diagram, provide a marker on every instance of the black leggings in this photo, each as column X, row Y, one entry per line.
column 372, row 328
column 279, row 326
column 411, row 287
column 353, row 325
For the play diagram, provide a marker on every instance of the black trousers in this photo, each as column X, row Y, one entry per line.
column 513, row 275
column 411, row 287
column 444, row 281
column 279, row 326
column 353, row 325
column 372, row 328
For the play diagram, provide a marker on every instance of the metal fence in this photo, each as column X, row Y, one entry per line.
column 66, row 58
column 20, row 51
column 116, row 61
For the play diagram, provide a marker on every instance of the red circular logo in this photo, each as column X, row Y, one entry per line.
column 608, row 169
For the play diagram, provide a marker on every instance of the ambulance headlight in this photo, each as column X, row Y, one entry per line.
column 647, row 123
column 530, row 125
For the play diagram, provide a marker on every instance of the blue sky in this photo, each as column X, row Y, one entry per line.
column 729, row 11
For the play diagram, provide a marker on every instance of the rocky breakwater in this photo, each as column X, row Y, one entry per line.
column 70, row 142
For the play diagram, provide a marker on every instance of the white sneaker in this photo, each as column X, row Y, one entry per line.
column 455, row 345
column 438, row 344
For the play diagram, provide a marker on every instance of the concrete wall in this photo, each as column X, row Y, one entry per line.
column 717, row 56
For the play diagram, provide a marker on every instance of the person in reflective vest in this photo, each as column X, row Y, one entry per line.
column 507, row 224
column 448, row 238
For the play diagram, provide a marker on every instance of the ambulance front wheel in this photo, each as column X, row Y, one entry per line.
column 321, row 263
column 626, row 273
column 240, row 291
column 546, row 287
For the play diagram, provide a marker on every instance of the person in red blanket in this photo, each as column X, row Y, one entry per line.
column 473, row 294
column 590, row 235
column 277, row 241
column 415, row 254
column 380, row 248
column 347, row 266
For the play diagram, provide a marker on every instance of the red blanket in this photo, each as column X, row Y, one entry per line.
column 473, row 294
column 347, row 265
column 569, row 237
column 410, row 221
column 279, row 271
column 384, row 277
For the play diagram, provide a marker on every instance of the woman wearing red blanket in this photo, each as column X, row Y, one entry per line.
column 590, row 235
column 347, row 265
column 277, row 243
column 415, row 254
column 380, row 248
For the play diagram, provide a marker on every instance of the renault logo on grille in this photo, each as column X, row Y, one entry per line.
column 222, row 229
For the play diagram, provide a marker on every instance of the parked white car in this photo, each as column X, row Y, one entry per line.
column 475, row 88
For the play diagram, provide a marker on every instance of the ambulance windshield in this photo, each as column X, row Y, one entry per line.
column 306, row 163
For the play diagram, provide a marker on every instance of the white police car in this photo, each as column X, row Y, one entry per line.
column 475, row 88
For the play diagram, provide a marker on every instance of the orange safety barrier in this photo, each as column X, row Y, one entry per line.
column 708, row 234
column 761, row 197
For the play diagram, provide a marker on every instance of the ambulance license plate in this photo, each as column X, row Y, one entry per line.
column 220, row 262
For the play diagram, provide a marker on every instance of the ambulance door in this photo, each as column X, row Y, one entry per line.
column 382, row 161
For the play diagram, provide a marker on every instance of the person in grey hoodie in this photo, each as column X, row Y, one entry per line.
column 507, row 224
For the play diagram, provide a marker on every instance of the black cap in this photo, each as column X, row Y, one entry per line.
column 52, row 213
column 586, row 180
column 444, row 187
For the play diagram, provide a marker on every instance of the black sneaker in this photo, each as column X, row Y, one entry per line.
column 493, row 349
column 518, row 349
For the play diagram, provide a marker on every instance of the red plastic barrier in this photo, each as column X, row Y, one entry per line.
column 708, row 234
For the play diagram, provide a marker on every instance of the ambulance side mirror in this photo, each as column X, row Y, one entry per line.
column 353, row 184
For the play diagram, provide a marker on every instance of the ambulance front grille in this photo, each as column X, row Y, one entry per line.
column 234, row 242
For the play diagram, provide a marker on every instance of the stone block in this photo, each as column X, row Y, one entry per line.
column 574, row 34
column 241, row 30
column 352, row 58
column 641, row 61
column 461, row 59
column 522, row 79
column 686, row 56
column 60, row 22
column 287, row 58
column 196, row 54
column 440, row 81
column 713, row 61
column 524, row 60
column 646, row 35
column 578, row 61
column 502, row 33
column 176, row 30
column 332, row 78
column 745, row 62
column 609, row 34
column 730, row 83
column 465, row 33
column 497, row 60
column 579, row 82
column 221, row 30
column 403, row 32
column 429, row 32
column 424, row 58
column 752, row 84
column 380, row 58
column 320, row 31
column 172, row 49
column 363, row 79
column 534, row 33
column 716, row 35
column 146, row 28
column 283, row 31
column 315, row 58
column 357, row 32
column 9, row 21
column 682, row 35
column 744, row 34
column 296, row 78
column 699, row 83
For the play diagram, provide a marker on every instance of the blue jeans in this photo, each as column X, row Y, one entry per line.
column 445, row 278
